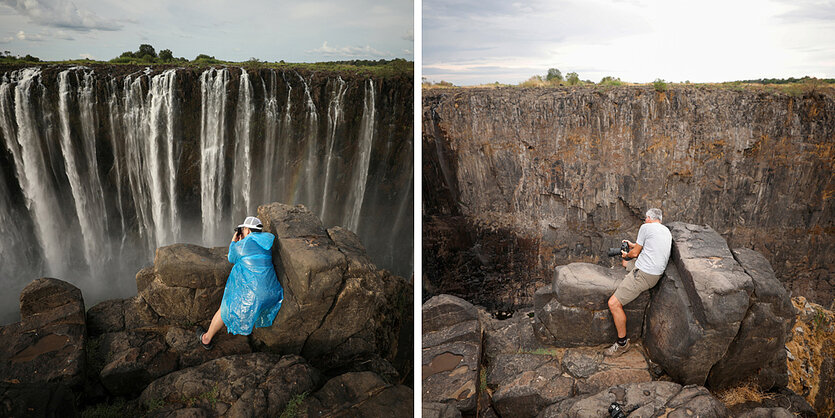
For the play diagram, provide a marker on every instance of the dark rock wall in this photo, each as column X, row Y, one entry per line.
column 517, row 181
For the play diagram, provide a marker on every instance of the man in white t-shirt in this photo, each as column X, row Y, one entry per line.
column 649, row 260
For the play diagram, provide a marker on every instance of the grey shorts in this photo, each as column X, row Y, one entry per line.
column 635, row 282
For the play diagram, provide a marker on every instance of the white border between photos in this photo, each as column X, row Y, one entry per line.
column 418, row 218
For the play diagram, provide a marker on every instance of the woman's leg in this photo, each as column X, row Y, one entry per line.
column 214, row 327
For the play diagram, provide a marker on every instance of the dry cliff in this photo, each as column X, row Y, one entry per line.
column 517, row 181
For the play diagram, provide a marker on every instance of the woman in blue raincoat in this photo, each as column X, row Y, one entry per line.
column 253, row 295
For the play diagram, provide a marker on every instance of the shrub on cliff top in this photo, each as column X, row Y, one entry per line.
column 660, row 85
column 610, row 81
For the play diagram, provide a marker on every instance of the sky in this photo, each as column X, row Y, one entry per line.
column 471, row 42
column 294, row 31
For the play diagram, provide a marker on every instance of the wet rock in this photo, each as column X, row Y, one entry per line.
column 107, row 316
column 574, row 312
column 524, row 384
column 48, row 344
column 697, row 308
column 451, row 352
column 257, row 384
column 188, row 282
column 757, row 353
column 36, row 400
column 361, row 394
column 184, row 343
column 133, row 359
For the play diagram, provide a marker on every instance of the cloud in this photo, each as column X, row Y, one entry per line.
column 409, row 36
column 348, row 51
column 86, row 56
column 37, row 37
column 61, row 14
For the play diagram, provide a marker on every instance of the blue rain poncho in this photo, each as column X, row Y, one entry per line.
column 253, row 294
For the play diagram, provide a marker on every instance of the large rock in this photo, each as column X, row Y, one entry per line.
column 758, row 353
column 257, row 384
column 525, row 384
column 647, row 399
column 36, row 400
column 573, row 311
column 48, row 344
column 359, row 394
column 451, row 352
column 187, row 282
column 697, row 309
column 339, row 309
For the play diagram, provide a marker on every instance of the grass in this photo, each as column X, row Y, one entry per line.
column 292, row 408
column 482, row 380
column 117, row 410
column 747, row 392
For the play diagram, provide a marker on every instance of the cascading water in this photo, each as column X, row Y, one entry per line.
column 361, row 169
column 100, row 169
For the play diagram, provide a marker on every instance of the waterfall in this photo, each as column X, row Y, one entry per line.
column 82, row 172
column 34, row 178
column 363, row 160
column 212, row 149
column 334, row 114
column 99, row 168
column 241, row 168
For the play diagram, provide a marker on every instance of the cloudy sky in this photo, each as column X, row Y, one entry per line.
column 294, row 31
column 483, row 41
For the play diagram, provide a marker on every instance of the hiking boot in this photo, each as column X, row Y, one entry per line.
column 616, row 349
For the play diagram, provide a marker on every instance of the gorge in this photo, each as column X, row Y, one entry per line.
column 518, row 181
column 101, row 165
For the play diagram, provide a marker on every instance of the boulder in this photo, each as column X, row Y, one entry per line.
column 439, row 410
column 130, row 360
column 451, row 352
column 47, row 345
column 524, row 384
column 767, row 413
column 512, row 335
column 359, row 394
column 698, row 307
column 757, row 353
column 36, row 400
column 187, row 282
column 631, row 367
column 647, row 399
column 339, row 309
column 574, row 312
column 257, row 384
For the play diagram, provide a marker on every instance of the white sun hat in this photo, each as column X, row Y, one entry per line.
column 252, row 222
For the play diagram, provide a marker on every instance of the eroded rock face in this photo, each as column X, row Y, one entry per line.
column 573, row 311
column 451, row 352
column 517, row 181
column 525, row 384
column 257, row 384
column 339, row 308
column 47, row 345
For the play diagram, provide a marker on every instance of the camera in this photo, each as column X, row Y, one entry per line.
column 615, row 411
column 239, row 232
column 614, row 252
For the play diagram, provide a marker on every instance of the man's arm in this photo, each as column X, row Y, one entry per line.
column 634, row 250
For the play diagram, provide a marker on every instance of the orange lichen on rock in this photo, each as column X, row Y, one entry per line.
column 812, row 345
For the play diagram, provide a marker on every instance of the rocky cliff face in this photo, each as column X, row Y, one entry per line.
column 137, row 158
column 517, row 181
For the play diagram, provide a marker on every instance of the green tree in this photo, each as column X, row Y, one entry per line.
column 659, row 84
column 146, row 49
column 127, row 54
column 610, row 81
column 572, row 78
column 166, row 55
column 553, row 74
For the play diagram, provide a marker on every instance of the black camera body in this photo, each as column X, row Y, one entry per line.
column 239, row 232
column 615, row 252
column 615, row 411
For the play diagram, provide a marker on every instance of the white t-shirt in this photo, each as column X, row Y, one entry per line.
column 656, row 241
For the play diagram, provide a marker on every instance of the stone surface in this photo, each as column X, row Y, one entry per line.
column 40, row 399
column 512, row 335
column 767, row 413
column 697, row 308
column 524, row 384
column 517, row 181
column 360, row 394
column 574, row 311
column 758, row 353
column 130, row 360
column 339, row 309
column 107, row 316
column 188, row 282
column 631, row 367
column 48, row 345
column 451, row 352
column 439, row 410
column 647, row 399
column 811, row 356
column 257, row 384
